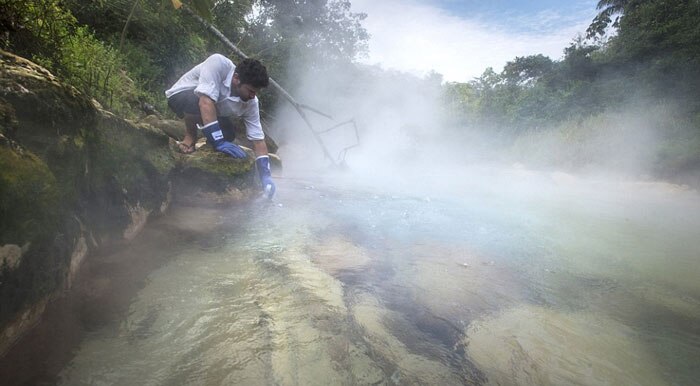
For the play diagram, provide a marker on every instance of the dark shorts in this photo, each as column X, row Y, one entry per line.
column 187, row 102
column 184, row 102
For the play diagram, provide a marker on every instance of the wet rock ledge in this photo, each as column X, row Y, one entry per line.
column 76, row 179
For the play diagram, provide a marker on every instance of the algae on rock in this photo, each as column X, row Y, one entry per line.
column 69, row 173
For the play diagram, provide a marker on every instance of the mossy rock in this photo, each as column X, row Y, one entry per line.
column 45, row 107
column 31, row 216
column 8, row 119
column 172, row 128
column 29, row 196
column 129, row 141
column 52, row 120
column 128, row 166
column 213, row 171
column 70, row 170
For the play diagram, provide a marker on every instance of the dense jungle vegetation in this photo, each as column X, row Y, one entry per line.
column 631, row 84
column 634, row 76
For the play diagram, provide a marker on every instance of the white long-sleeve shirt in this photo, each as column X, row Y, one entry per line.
column 213, row 78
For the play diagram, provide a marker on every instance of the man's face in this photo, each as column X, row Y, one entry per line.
column 243, row 90
column 247, row 92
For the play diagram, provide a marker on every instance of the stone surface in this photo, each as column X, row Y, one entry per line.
column 10, row 256
column 208, row 177
column 233, row 128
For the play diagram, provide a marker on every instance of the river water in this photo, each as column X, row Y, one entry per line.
column 531, row 279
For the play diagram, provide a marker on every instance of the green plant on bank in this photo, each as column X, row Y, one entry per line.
column 99, row 71
column 158, row 43
column 34, row 28
column 650, row 138
column 49, row 35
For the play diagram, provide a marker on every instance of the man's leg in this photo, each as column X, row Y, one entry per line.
column 190, row 139
column 186, row 105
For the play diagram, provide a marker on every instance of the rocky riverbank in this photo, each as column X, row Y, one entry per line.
column 76, row 179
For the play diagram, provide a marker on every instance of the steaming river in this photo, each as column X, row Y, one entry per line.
column 544, row 280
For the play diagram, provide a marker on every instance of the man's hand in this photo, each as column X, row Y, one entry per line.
column 215, row 137
column 262, row 163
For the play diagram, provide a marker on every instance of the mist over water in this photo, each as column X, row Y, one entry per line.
column 608, row 259
column 427, row 260
column 345, row 283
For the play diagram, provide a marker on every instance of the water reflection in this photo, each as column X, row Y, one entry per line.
column 337, row 286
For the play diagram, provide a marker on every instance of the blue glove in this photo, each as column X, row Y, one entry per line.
column 262, row 163
column 231, row 149
column 215, row 137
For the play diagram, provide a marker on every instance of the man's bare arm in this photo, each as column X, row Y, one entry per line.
column 207, row 108
column 259, row 147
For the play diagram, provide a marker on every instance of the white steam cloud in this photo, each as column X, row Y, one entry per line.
column 404, row 141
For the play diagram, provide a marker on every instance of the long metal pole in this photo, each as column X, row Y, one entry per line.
column 275, row 85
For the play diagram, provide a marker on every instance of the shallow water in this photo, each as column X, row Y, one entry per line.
column 554, row 281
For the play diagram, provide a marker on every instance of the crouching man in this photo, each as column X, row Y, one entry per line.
column 214, row 89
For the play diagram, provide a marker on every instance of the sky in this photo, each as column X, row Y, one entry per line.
column 460, row 39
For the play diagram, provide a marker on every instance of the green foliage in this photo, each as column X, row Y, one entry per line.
column 33, row 28
column 310, row 34
column 203, row 7
column 604, row 19
column 568, row 111
column 458, row 101
column 661, row 41
column 52, row 37
column 526, row 70
column 158, row 46
column 230, row 17
column 645, row 139
column 97, row 70
column 126, row 52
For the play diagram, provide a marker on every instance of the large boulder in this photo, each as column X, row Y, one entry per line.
column 210, row 177
column 207, row 177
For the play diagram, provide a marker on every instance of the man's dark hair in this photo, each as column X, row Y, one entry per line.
column 252, row 72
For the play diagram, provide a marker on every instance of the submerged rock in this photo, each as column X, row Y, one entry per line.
column 541, row 346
